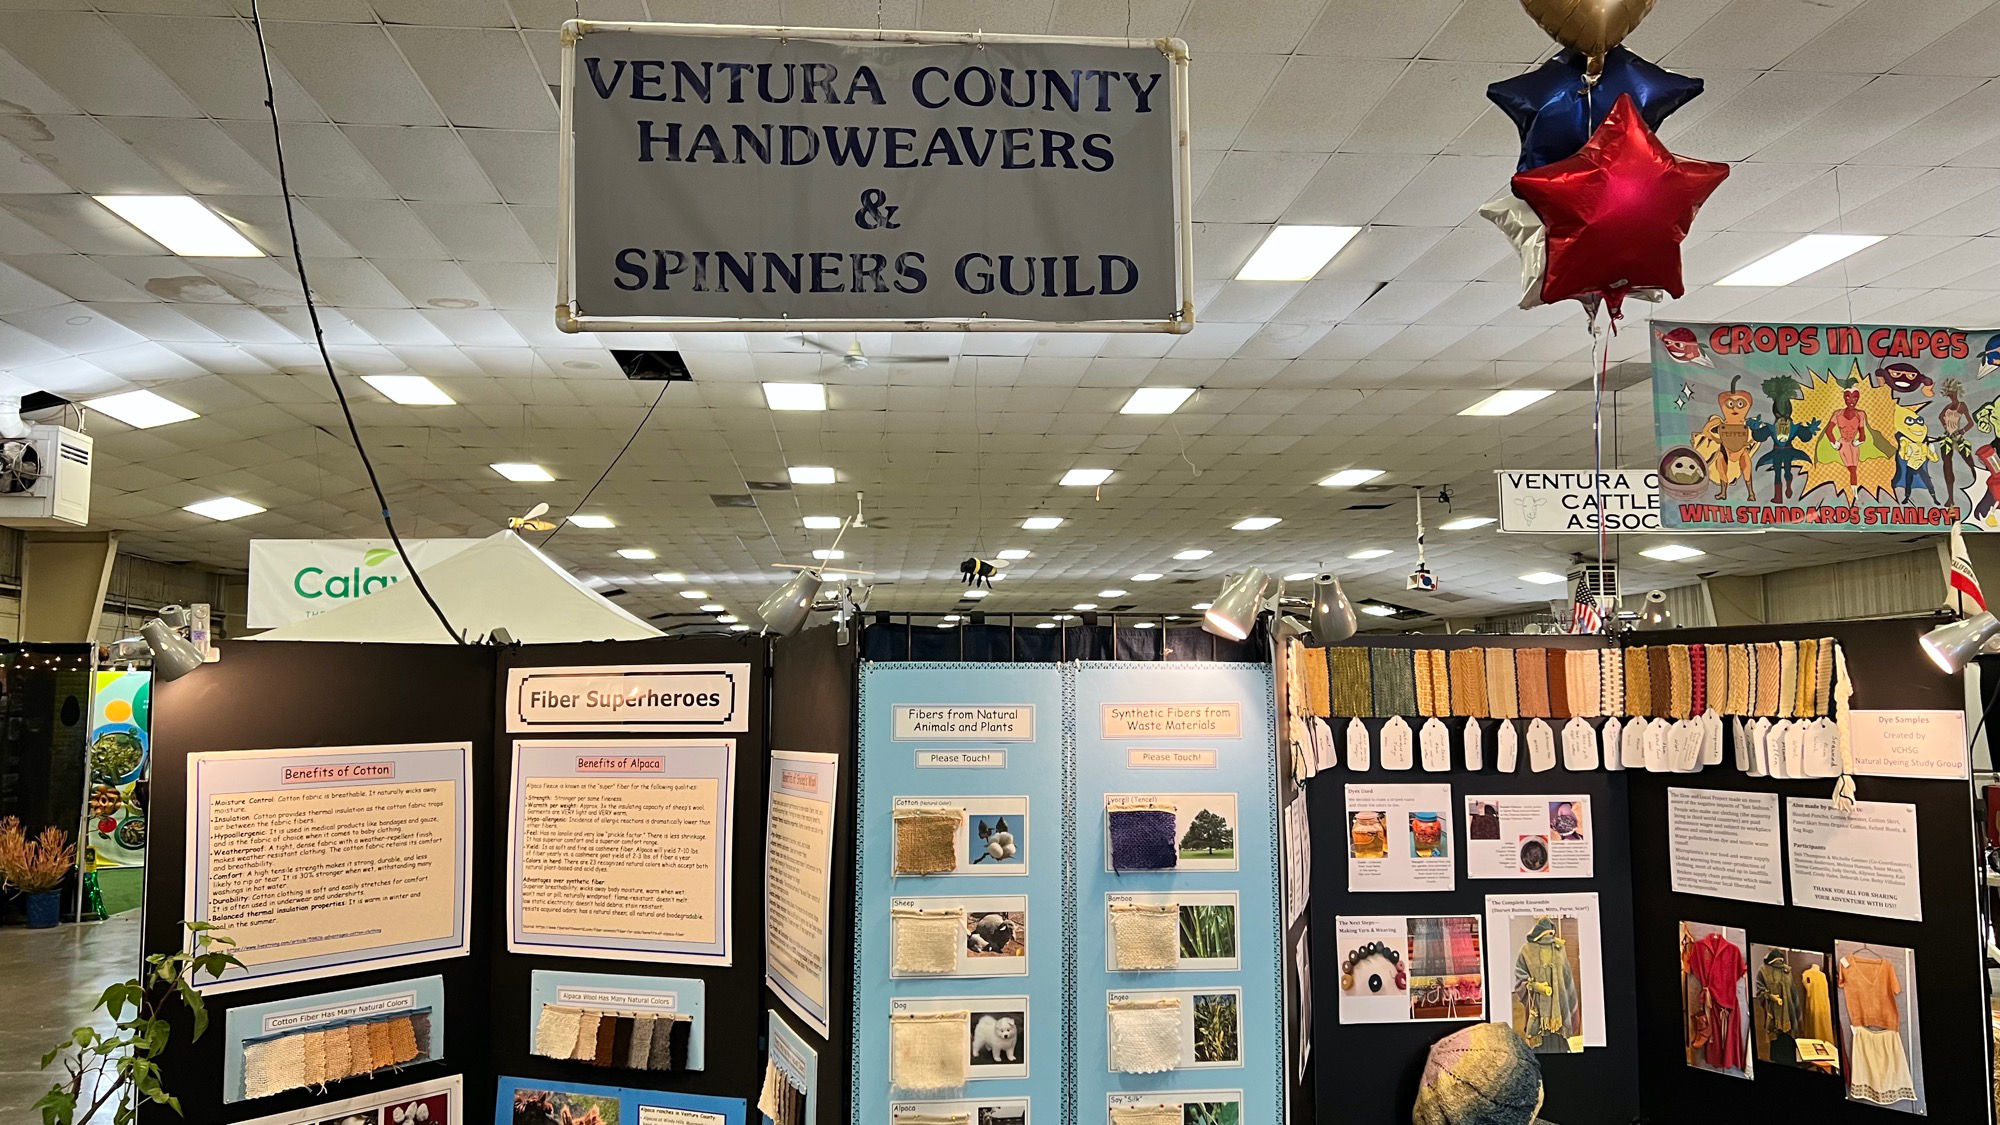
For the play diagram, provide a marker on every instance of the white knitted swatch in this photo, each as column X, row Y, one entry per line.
column 1146, row 1035
column 1145, row 936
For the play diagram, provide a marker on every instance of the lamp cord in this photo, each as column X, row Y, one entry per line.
column 647, row 417
column 319, row 334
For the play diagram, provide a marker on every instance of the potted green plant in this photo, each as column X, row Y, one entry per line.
column 36, row 868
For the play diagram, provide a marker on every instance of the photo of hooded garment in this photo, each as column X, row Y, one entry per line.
column 1549, row 1003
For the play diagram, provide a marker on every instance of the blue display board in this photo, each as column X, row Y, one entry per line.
column 990, row 897
column 537, row 1099
column 987, row 739
column 1197, row 739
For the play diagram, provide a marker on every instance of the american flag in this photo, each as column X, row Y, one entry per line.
column 1584, row 617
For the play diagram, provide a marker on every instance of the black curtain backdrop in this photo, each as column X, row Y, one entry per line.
column 1369, row 1072
column 1888, row 672
column 269, row 694
column 904, row 639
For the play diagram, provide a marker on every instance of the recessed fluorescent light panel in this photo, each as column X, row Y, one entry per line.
column 973, row 594
column 181, row 224
column 409, row 390
column 822, row 523
column 1295, row 253
column 1084, row 607
column 714, row 607
column 1348, row 478
column 811, row 474
column 1543, row 577
column 1369, row 553
column 636, row 553
column 795, row 396
column 1672, row 552
column 1193, row 553
column 1808, row 255
column 1149, row 576
column 597, row 523
column 1501, row 403
column 1086, row 478
column 521, row 471
column 224, row 508
column 1464, row 523
column 727, row 619
column 1013, row 554
column 695, row 595
column 141, row 410
column 669, row 576
column 1374, row 610
column 1041, row 523
column 1156, row 400
column 1111, row 593
column 1255, row 523
column 826, row 554
column 1301, row 576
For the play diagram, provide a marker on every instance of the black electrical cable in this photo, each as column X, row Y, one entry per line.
column 647, row 417
column 319, row 335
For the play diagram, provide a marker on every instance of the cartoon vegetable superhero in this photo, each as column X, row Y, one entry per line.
column 1956, row 421
column 1726, row 443
column 1913, row 455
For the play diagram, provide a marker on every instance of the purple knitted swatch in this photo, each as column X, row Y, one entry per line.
column 1143, row 840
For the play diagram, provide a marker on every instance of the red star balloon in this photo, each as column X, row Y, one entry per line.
column 1617, row 211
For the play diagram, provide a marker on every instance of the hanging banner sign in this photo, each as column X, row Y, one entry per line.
column 1827, row 427
column 293, row 579
column 1553, row 501
column 795, row 179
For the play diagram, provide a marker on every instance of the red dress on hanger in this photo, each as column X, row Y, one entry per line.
column 1718, row 964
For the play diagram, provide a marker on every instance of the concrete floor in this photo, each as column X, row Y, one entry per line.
column 49, row 980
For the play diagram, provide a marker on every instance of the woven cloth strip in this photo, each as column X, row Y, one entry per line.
column 607, row 1039
column 555, row 1031
column 1426, row 680
column 1638, row 682
column 642, row 1042
column 621, row 1041
column 1468, row 682
column 1145, row 936
column 1715, row 659
column 1144, row 1114
column 274, row 1065
column 315, row 1068
column 585, row 1047
column 929, row 1050
column 1142, row 839
column 1823, row 681
column 680, row 1032
column 402, row 1041
column 1611, row 681
column 1802, row 704
column 1394, row 674
column 925, row 941
column 1558, row 677
column 1503, row 699
column 1770, row 677
column 420, row 1026
column 1660, row 681
column 1680, row 682
column 1313, row 662
column 1788, row 678
column 1742, row 685
column 927, row 840
column 1351, row 688
column 381, row 1045
column 1580, row 669
column 1531, row 674
column 340, row 1054
column 660, row 1054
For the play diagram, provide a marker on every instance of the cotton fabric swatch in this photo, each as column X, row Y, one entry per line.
column 1531, row 672
column 1580, row 670
column 420, row 1029
column 925, row 941
column 280, row 1065
column 1638, row 682
column 1313, row 663
column 1716, row 657
column 768, row 1098
column 339, row 1053
column 1145, row 936
column 1788, row 679
column 1741, row 684
column 1351, row 681
column 315, row 1065
column 1823, row 676
column 1698, row 667
column 1770, row 678
column 1432, row 693
column 1558, row 680
column 1146, row 1035
column 1611, row 682
column 1467, row 668
column 1393, row 675
column 927, row 840
column 1502, row 693
column 1680, row 682
column 1142, row 838
column 402, row 1041
column 929, row 1050
column 1660, row 681
column 381, row 1045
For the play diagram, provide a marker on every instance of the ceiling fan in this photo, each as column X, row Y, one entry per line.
column 854, row 359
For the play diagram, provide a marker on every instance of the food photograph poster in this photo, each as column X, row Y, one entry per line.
column 1826, row 427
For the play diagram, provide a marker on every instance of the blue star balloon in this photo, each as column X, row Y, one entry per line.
column 1557, row 113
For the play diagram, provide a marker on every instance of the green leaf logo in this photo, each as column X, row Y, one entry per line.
column 377, row 556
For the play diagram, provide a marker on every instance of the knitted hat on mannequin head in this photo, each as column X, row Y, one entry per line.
column 1482, row 1075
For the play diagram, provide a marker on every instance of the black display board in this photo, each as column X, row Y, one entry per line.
column 266, row 694
column 1888, row 671
column 734, row 1064
column 813, row 711
column 1370, row 1072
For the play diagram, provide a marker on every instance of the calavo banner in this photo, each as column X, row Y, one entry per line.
column 293, row 579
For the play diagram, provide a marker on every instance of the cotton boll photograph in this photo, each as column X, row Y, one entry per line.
column 996, row 933
column 999, row 1038
column 996, row 838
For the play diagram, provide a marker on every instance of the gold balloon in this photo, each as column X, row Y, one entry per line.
column 1591, row 27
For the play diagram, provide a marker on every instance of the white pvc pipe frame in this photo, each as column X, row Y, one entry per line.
column 570, row 319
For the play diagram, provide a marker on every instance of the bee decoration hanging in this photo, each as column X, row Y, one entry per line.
column 978, row 572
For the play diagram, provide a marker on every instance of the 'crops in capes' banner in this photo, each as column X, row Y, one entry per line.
column 1827, row 427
